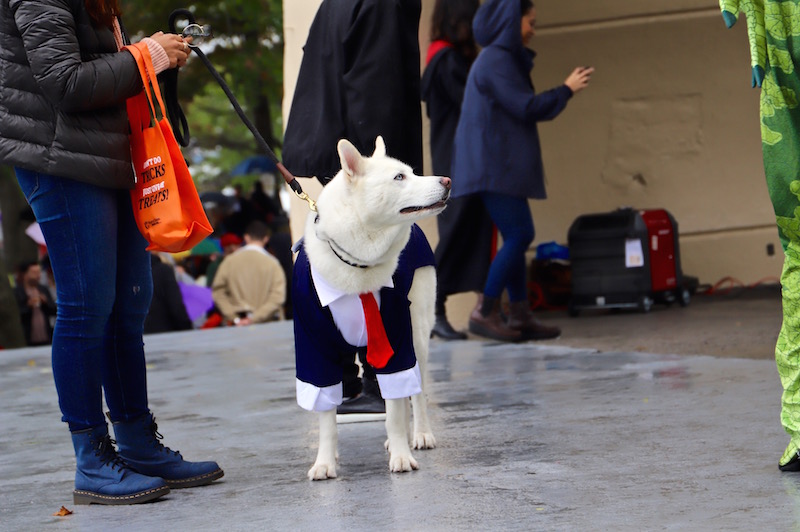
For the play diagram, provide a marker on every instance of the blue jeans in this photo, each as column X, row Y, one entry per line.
column 103, row 286
column 512, row 216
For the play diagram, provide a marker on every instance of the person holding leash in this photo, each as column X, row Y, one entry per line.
column 498, row 157
column 64, row 127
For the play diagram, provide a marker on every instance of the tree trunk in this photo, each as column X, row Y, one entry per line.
column 263, row 121
column 17, row 216
column 11, row 334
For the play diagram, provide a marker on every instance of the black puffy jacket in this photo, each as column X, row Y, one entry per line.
column 63, row 87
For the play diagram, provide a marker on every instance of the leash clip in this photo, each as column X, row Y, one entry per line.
column 295, row 186
column 312, row 205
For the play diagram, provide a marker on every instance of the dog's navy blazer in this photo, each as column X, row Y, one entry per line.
column 319, row 346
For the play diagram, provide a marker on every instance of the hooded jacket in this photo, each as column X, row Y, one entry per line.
column 63, row 87
column 497, row 142
column 359, row 79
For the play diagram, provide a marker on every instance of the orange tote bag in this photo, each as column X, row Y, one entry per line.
column 165, row 202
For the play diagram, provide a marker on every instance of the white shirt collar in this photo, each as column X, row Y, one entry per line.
column 328, row 294
column 253, row 247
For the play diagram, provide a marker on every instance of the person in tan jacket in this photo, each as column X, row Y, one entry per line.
column 250, row 286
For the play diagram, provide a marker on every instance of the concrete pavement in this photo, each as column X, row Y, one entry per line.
column 531, row 437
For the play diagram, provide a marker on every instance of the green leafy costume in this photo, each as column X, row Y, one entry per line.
column 773, row 28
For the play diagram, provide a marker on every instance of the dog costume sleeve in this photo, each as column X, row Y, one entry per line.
column 320, row 348
column 772, row 27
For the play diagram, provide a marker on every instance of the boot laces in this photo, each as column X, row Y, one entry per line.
column 104, row 449
column 157, row 437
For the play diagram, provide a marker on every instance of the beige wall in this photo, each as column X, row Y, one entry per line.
column 670, row 121
column 297, row 17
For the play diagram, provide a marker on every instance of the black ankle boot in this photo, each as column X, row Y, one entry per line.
column 445, row 331
column 369, row 401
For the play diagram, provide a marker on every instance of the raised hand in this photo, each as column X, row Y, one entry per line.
column 579, row 78
column 177, row 47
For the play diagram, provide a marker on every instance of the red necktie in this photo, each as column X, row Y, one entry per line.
column 379, row 351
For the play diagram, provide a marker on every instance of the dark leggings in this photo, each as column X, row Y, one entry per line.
column 512, row 216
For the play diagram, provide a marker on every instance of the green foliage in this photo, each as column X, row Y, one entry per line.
column 222, row 140
column 247, row 50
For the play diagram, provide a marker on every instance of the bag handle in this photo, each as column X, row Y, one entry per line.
column 140, row 113
column 141, row 53
column 148, row 74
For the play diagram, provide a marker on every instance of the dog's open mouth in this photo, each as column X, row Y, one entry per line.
column 437, row 205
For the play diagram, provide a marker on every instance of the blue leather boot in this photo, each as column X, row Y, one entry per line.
column 140, row 446
column 102, row 477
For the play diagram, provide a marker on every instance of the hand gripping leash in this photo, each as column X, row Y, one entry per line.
column 178, row 119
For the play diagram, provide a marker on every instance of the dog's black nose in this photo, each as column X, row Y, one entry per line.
column 445, row 181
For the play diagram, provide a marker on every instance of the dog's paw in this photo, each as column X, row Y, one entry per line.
column 401, row 463
column 322, row 472
column 424, row 440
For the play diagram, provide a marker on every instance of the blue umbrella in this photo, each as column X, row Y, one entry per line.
column 257, row 164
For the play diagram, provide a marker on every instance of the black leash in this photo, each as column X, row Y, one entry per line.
column 180, row 127
column 178, row 119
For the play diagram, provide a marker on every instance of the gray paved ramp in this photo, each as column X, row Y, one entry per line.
column 531, row 437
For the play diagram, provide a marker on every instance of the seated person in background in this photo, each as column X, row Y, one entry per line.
column 167, row 310
column 250, row 286
column 230, row 242
column 35, row 303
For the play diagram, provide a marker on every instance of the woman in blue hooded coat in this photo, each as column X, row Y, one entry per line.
column 498, row 157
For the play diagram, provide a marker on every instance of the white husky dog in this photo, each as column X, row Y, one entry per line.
column 365, row 219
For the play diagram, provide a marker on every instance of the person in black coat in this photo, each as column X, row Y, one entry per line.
column 167, row 311
column 463, row 253
column 359, row 79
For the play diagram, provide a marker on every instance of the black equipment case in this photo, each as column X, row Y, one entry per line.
column 626, row 259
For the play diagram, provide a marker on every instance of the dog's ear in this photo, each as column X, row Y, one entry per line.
column 351, row 159
column 380, row 147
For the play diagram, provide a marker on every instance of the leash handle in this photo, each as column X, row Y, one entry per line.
column 294, row 184
column 287, row 175
column 180, row 127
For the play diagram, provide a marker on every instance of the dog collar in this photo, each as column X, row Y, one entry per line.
column 332, row 243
